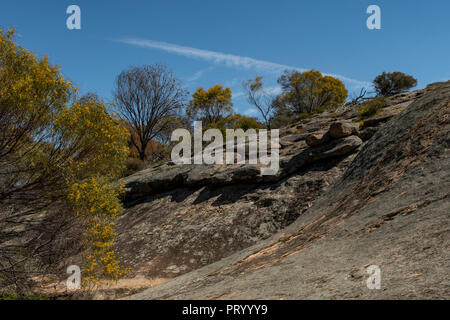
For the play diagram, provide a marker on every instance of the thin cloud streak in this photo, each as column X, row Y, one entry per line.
column 212, row 56
column 226, row 59
column 199, row 74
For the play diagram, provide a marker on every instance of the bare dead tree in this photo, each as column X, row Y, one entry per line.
column 359, row 97
column 262, row 100
column 147, row 97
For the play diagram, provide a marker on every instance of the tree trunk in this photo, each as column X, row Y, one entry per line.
column 142, row 154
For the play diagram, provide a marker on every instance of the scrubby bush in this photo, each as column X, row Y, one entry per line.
column 371, row 107
column 236, row 121
column 387, row 84
column 309, row 91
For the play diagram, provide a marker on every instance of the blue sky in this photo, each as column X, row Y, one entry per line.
column 206, row 42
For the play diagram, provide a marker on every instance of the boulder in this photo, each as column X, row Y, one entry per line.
column 343, row 129
column 316, row 139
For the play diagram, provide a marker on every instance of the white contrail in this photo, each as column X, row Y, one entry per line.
column 199, row 74
column 226, row 59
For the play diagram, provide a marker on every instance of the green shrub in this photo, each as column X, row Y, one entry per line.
column 371, row 107
column 236, row 121
column 387, row 84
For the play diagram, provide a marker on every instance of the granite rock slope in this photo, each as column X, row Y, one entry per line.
column 351, row 200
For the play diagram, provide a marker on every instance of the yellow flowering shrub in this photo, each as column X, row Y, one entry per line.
column 32, row 85
column 98, row 203
column 210, row 105
column 56, row 148
column 103, row 144
column 310, row 91
column 99, row 136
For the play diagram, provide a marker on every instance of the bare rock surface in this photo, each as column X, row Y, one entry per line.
column 180, row 218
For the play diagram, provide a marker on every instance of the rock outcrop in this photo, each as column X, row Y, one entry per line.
column 179, row 218
column 349, row 199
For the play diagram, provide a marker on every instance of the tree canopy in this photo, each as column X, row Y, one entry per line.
column 309, row 91
column 148, row 97
column 387, row 84
column 210, row 105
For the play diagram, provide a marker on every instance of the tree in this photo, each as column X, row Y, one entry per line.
column 260, row 99
column 173, row 123
column 152, row 148
column 146, row 98
column 159, row 148
column 282, row 116
column 309, row 91
column 210, row 105
column 387, row 84
column 51, row 143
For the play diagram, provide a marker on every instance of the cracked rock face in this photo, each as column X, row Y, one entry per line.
column 181, row 218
